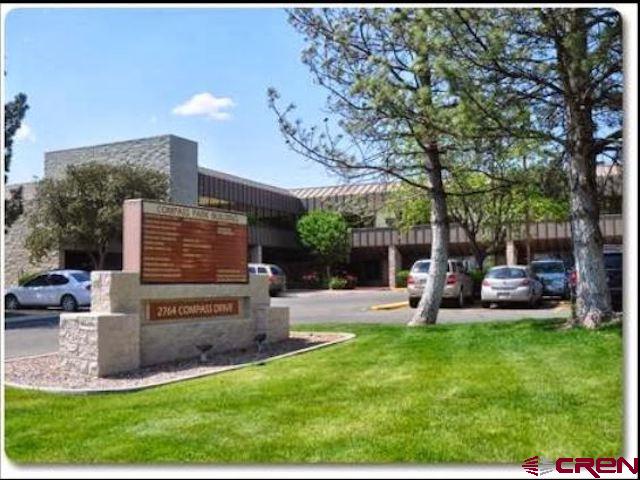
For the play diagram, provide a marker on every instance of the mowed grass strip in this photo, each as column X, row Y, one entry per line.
column 496, row 392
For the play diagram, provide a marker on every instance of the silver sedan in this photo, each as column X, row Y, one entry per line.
column 511, row 283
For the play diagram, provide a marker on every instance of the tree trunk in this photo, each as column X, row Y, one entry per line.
column 480, row 261
column 427, row 312
column 479, row 253
column 593, row 302
column 102, row 255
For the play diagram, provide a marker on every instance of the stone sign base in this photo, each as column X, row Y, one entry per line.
column 119, row 334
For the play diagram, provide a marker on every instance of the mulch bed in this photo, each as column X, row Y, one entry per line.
column 45, row 371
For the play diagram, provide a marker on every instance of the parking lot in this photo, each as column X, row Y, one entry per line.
column 354, row 306
column 35, row 332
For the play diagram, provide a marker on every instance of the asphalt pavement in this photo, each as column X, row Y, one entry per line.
column 35, row 332
column 354, row 306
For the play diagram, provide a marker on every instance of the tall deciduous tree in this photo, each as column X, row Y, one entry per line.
column 489, row 216
column 83, row 209
column 384, row 70
column 326, row 233
column 565, row 67
column 14, row 112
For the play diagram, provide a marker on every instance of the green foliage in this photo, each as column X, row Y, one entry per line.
column 474, row 393
column 13, row 207
column 338, row 283
column 327, row 235
column 84, row 208
column 477, row 275
column 357, row 210
column 25, row 277
column 14, row 112
column 409, row 206
column 485, row 209
column 401, row 278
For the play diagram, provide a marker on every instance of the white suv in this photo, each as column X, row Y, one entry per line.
column 68, row 289
column 277, row 277
column 459, row 285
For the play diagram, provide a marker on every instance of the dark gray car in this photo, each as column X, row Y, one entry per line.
column 613, row 267
column 554, row 277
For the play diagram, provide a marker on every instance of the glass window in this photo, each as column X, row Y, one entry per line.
column 506, row 273
column 252, row 270
column 547, row 267
column 421, row 267
column 58, row 280
column 40, row 281
column 262, row 270
column 276, row 270
column 81, row 276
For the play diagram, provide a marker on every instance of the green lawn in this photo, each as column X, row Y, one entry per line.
column 498, row 392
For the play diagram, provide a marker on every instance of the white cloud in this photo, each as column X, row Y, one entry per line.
column 25, row 133
column 207, row 105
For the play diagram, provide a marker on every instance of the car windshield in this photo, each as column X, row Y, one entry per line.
column 421, row 267
column 276, row 271
column 81, row 276
column 548, row 267
column 507, row 273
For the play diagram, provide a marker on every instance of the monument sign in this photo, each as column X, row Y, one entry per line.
column 184, row 283
column 180, row 244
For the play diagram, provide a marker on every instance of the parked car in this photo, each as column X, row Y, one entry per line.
column 613, row 266
column 458, row 286
column 277, row 277
column 511, row 283
column 68, row 289
column 554, row 277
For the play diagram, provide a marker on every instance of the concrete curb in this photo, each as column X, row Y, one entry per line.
column 91, row 391
column 390, row 306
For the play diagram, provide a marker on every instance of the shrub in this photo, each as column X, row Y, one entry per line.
column 352, row 281
column 338, row 283
column 477, row 276
column 401, row 278
column 311, row 279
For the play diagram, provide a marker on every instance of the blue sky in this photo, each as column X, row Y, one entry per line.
column 101, row 75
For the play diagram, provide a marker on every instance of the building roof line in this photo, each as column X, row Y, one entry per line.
column 244, row 181
column 87, row 147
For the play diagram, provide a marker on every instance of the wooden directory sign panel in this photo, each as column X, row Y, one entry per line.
column 169, row 243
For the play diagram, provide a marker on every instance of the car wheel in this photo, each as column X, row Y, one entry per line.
column 486, row 304
column 413, row 302
column 69, row 304
column 461, row 298
column 11, row 302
